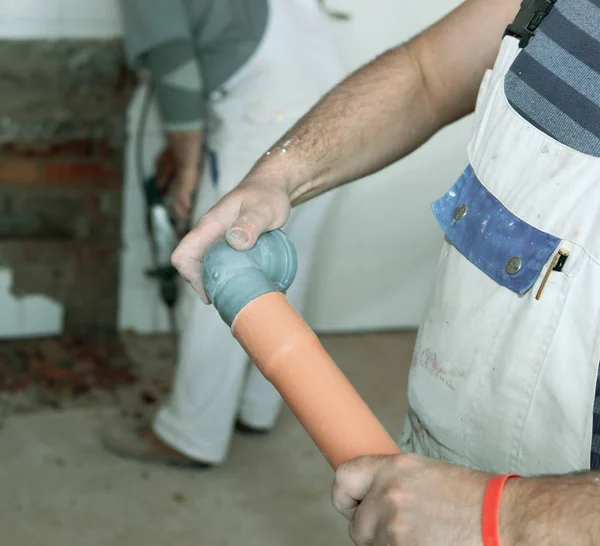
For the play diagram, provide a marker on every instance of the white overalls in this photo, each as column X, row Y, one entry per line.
column 295, row 64
column 501, row 381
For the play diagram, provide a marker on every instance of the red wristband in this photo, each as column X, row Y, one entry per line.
column 491, row 509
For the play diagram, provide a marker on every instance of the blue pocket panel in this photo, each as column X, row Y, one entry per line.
column 491, row 237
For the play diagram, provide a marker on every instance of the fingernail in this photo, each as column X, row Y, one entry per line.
column 240, row 234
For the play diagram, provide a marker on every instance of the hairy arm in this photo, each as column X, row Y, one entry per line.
column 392, row 105
column 552, row 511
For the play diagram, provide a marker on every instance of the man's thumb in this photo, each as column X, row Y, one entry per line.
column 353, row 480
column 248, row 227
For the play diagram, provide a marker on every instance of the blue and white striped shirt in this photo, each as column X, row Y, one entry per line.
column 554, row 82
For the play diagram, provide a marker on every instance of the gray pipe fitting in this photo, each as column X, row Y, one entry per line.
column 233, row 278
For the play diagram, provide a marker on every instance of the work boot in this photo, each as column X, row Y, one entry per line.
column 242, row 427
column 132, row 440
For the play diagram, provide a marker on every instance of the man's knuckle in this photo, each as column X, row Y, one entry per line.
column 249, row 217
column 177, row 259
column 392, row 493
column 262, row 209
column 357, row 531
column 398, row 462
column 405, row 462
column 342, row 474
column 353, row 530
column 269, row 203
column 401, row 527
column 336, row 498
column 398, row 498
column 411, row 459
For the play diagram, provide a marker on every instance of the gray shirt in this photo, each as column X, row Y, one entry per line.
column 192, row 47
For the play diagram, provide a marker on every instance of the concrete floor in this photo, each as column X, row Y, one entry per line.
column 58, row 487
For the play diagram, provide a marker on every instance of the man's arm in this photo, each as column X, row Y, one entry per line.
column 179, row 91
column 391, row 106
column 552, row 511
column 378, row 115
column 160, row 40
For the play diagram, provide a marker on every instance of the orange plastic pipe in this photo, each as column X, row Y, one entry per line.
column 291, row 357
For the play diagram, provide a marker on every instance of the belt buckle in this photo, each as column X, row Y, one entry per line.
column 531, row 14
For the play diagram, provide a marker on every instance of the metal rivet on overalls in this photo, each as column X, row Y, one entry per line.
column 461, row 212
column 514, row 265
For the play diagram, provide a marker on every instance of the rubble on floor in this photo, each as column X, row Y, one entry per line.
column 70, row 372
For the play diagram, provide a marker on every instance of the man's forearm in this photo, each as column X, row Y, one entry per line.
column 379, row 114
column 179, row 92
column 552, row 511
column 391, row 106
column 187, row 149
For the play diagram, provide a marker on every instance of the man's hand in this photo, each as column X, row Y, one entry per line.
column 181, row 180
column 242, row 216
column 403, row 500
column 182, row 191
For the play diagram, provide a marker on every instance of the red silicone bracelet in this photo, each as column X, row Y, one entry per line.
column 491, row 509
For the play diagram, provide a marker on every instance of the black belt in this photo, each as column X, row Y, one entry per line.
column 528, row 19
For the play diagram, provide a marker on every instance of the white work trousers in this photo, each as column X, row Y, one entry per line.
column 295, row 64
column 504, row 372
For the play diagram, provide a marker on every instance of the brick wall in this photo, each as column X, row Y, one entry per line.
column 60, row 219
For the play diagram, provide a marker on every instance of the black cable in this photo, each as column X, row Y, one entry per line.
column 168, row 287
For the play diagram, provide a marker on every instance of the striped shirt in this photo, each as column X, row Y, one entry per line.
column 554, row 82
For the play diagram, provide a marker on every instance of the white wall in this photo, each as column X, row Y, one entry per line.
column 383, row 241
column 380, row 248
column 59, row 18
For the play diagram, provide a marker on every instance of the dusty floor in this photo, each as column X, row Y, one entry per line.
column 65, row 372
column 59, row 488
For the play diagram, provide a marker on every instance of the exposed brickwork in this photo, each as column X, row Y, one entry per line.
column 18, row 172
column 77, row 148
column 62, row 132
column 60, row 228
column 60, row 216
column 62, row 127
column 71, row 174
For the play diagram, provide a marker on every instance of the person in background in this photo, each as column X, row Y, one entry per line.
column 505, row 374
column 229, row 76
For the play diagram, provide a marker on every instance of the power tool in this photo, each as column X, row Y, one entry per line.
column 165, row 229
